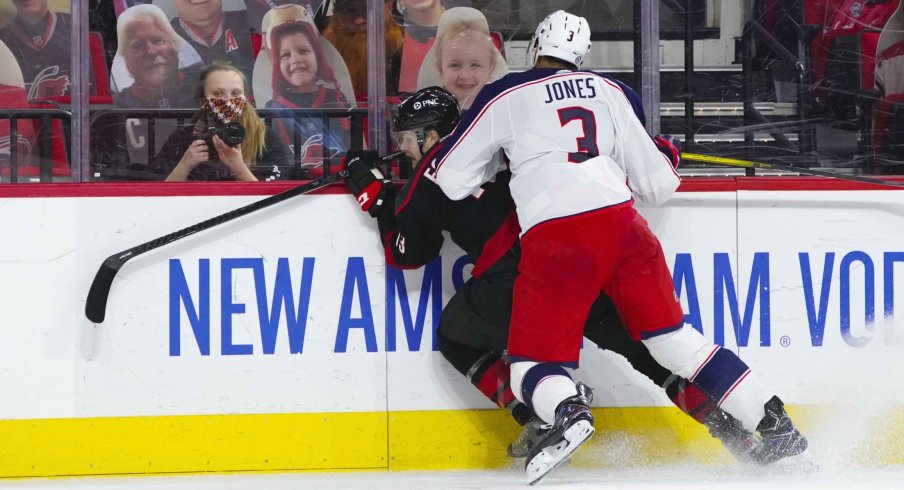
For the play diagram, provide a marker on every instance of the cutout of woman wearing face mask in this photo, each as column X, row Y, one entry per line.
column 463, row 59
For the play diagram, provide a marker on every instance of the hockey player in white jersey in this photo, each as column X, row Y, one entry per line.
column 579, row 157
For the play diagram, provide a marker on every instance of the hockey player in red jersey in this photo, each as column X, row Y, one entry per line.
column 578, row 158
column 473, row 328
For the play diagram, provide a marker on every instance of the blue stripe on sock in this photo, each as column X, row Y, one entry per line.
column 720, row 373
column 536, row 374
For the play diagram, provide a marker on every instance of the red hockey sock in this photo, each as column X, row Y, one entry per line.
column 690, row 399
column 494, row 383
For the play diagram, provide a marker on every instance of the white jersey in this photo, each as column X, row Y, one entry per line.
column 890, row 71
column 573, row 141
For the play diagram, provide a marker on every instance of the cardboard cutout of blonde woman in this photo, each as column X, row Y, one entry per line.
column 12, row 96
column 463, row 59
column 300, row 75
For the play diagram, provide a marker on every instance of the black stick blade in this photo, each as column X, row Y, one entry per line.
column 96, row 305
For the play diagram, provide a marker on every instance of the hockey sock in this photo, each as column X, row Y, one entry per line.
column 490, row 374
column 727, row 379
column 689, row 398
column 542, row 387
column 716, row 371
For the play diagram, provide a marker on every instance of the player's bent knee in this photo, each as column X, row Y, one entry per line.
column 541, row 386
column 517, row 371
column 681, row 351
column 460, row 356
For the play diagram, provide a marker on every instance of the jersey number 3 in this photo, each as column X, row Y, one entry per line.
column 587, row 148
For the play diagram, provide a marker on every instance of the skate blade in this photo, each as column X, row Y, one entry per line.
column 800, row 464
column 552, row 457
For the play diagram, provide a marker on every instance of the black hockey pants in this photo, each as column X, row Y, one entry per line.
column 476, row 320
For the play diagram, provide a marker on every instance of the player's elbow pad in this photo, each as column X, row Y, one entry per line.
column 455, row 193
column 454, row 184
column 658, row 195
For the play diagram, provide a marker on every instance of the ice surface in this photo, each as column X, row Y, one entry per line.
column 654, row 478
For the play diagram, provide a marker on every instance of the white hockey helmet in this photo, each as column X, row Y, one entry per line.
column 562, row 36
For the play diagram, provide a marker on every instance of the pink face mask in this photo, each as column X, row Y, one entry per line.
column 225, row 110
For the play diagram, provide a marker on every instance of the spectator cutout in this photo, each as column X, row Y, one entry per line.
column 347, row 30
column 12, row 96
column 463, row 59
column 152, row 62
column 39, row 39
column 216, row 32
column 154, row 68
column 299, row 73
column 420, row 19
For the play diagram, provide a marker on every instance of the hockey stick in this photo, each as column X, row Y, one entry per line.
column 733, row 162
column 96, row 304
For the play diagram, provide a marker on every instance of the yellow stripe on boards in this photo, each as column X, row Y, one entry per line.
column 407, row 440
column 450, row 439
column 468, row 439
column 191, row 444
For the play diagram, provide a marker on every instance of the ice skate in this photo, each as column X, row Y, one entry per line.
column 536, row 428
column 532, row 431
column 780, row 438
column 572, row 428
column 740, row 442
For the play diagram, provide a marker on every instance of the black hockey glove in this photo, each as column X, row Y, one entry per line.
column 670, row 146
column 366, row 181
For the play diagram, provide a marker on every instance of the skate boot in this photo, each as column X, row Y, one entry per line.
column 532, row 431
column 780, row 438
column 536, row 428
column 572, row 428
column 741, row 443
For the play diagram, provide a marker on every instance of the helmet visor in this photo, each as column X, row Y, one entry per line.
column 409, row 139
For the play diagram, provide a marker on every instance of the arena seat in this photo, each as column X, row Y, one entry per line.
column 496, row 37
column 101, row 74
